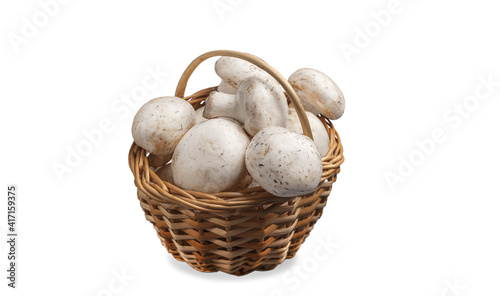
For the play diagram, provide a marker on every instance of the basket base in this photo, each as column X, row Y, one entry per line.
column 263, row 254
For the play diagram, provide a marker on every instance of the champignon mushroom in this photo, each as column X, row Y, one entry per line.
column 233, row 71
column 211, row 156
column 219, row 104
column 160, row 124
column 318, row 93
column 258, row 103
column 284, row 163
column 199, row 115
column 320, row 135
column 227, row 88
column 264, row 104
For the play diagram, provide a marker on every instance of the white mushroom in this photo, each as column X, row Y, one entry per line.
column 264, row 104
column 318, row 93
column 284, row 163
column 199, row 115
column 319, row 132
column 219, row 104
column 160, row 124
column 211, row 156
column 165, row 173
column 234, row 70
column 227, row 88
column 258, row 103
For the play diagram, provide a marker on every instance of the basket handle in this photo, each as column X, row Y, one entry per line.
column 181, row 86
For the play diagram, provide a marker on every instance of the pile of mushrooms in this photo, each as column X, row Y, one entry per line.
column 246, row 135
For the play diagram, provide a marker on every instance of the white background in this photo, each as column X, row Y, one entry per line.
column 434, row 232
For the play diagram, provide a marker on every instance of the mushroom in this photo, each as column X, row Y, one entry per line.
column 219, row 104
column 199, row 115
column 258, row 103
column 227, row 88
column 211, row 156
column 318, row 93
column 160, row 124
column 284, row 163
column 165, row 173
column 320, row 135
column 233, row 71
column 264, row 104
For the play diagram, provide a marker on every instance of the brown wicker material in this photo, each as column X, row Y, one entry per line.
column 240, row 231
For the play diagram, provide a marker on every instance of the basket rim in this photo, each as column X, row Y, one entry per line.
column 159, row 191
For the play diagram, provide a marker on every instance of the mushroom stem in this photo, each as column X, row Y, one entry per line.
column 181, row 85
column 258, row 103
column 219, row 104
column 284, row 163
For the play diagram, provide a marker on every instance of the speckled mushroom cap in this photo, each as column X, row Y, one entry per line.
column 160, row 124
column 319, row 132
column 263, row 103
column 284, row 163
column 211, row 156
column 318, row 93
column 233, row 70
column 258, row 103
column 226, row 87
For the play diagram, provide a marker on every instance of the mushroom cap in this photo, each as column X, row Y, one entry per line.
column 234, row 70
column 284, row 163
column 227, row 88
column 263, row 104
column 211, row 156
column 318, row 93
column 160, row 124
column 319, row 132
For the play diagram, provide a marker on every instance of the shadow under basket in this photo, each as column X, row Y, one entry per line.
column 234, row 232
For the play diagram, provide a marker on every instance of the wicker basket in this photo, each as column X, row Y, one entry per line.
column 234, row 232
